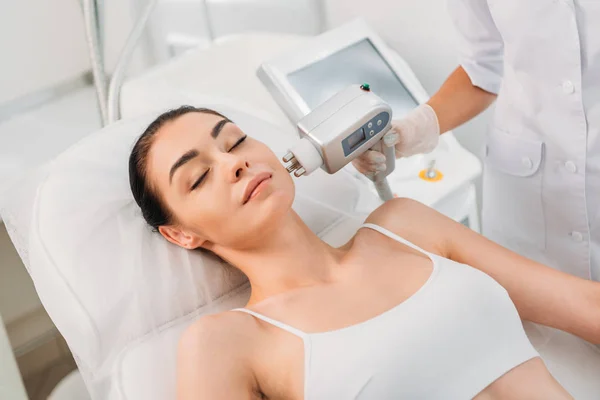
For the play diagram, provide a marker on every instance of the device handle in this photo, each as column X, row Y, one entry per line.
column 390, row 159
column 379, row 179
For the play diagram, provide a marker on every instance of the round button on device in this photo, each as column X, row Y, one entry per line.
column 370, row 125
column 379, row 122
column 371, row 133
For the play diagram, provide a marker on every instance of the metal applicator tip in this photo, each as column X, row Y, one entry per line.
column 299, row 172
column 288, row 157
column 293, row 166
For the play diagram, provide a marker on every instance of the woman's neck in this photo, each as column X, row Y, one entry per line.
column 287, row 257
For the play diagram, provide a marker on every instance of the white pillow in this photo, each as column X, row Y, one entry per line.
column 110, row 284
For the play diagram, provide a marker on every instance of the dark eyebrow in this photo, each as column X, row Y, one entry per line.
column 219, row 127
column 182, row 160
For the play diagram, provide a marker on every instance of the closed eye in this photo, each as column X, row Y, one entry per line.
column 203, row 176
column 240, row 141
column 199, row 180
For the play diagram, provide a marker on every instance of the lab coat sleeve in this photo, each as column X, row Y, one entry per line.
column 480, row 44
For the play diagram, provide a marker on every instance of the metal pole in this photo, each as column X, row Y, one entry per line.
column 209, row 26
column 121, row 68
column 92, row 19
column 321, row 9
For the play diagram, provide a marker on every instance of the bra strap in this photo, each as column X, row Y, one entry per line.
column 280, row 325
column 395, row 237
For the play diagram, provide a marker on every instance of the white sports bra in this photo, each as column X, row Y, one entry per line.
column 450, row 340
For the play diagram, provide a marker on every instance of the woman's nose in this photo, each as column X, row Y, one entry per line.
column 237, row 169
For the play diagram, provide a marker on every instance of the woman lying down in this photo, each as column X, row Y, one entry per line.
column 414, row 306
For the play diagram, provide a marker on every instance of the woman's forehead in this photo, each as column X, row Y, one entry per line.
column 193, row 130
column 191, row 124
column 188, row 132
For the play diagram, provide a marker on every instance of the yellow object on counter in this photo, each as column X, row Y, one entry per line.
column 438, row 176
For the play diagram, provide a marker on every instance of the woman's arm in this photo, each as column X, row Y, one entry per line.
column 459, row 101
column 541, row 294
column 211, row 362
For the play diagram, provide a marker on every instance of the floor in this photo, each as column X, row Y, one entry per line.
column 40, row 384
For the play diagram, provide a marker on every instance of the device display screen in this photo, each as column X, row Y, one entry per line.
column 356, row 138
column 356, row 64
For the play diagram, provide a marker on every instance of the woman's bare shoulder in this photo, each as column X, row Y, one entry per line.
column 414, row 222
column 224, row 328
column 218, row 338
column 395, row 209
column 214, row 358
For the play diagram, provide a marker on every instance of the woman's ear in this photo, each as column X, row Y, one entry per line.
column 182, row 237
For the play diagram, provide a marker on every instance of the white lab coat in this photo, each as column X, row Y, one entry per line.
column 542, row 165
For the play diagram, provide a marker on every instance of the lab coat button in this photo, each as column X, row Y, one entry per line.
column 577, row 236
column 527, row 163
column 568, row 87
column 571, row 167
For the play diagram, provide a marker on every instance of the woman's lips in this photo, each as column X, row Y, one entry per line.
column 259, row 188
column 256, row 185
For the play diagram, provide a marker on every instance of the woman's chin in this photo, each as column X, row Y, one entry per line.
column 257, row 219
column 251, row 232
column 278, row 204
column 272, row 210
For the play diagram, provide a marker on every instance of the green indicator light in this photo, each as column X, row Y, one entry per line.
column 365, row 86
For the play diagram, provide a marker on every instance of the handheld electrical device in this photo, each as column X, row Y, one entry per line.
column 341, row 129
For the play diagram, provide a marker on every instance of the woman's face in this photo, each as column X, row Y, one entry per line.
column 223, row 187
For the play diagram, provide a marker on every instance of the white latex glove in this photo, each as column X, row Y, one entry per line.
column 418, row 132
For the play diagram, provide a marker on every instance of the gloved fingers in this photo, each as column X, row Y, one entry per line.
column 366, row 166
column 362, row 167
column 372, row 157
column 418, row 131
column 391, row 138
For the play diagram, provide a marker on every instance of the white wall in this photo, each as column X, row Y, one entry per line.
column 41, row 43
column 176, row 19
column 422, row 33
column 120, row 18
